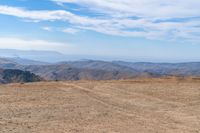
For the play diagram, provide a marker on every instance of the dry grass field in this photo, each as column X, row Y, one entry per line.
column 139, row 106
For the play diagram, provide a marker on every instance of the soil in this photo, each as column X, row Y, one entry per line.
column 134, row 106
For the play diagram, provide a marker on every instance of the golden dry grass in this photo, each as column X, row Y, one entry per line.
column 140, row 106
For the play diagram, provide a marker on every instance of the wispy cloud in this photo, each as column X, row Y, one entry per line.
column 47, row 28
column 152, row 19
column 142, row 8
column 40, row 15
column 25, row 44
column 71, row 30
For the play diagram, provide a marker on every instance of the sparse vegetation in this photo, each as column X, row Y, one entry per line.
column 17, row 76
column 169, row 105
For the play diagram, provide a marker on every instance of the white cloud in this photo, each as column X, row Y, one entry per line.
column 46, row 28
column 143, row 8
column 119, row 18
column 40, row 15
column 25, row 44
column 71, row 30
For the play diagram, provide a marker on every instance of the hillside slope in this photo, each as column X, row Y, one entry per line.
column 69, row 72
column 102, row 70
column 16, row 76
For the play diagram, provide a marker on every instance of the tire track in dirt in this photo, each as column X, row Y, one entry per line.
column 121, row 110
column 97, row 98
column 146, row 96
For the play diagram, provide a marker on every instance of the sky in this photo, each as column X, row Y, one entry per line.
column 154, row 30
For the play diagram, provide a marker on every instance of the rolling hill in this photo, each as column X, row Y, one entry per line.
column 101, row 70
column 70, row 72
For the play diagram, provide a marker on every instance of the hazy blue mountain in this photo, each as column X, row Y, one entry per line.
column 18, row 62
column 23, row 61
column 177, row 69
column 46, row 56
column 42, row 56
column 8, row 64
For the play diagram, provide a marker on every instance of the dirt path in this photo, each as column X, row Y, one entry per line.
column 99, row 99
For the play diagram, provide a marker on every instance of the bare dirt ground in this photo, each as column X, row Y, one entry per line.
column 140, row 106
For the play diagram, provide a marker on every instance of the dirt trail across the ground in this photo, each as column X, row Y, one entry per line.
column 99, row 99
column 144, row 106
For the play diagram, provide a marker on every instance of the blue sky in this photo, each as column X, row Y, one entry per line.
column 122, row 29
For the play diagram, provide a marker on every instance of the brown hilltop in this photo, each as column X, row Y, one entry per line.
column 162, row 105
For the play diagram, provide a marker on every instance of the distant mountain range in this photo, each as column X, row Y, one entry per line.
column 100, row 70
column 46, row 56
column 162, row 69
column 43, row 56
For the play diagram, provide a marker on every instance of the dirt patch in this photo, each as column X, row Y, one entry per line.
column 146, row 106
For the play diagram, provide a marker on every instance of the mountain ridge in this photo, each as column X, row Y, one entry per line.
column 103, row 70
